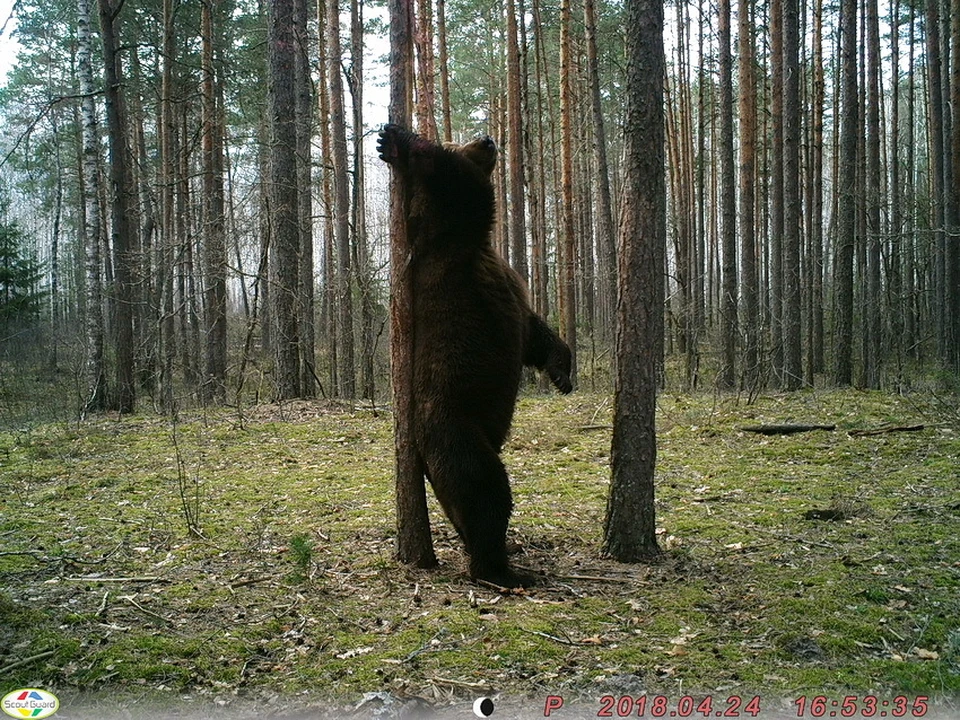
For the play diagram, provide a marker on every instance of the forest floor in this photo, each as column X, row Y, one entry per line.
column 243, row 563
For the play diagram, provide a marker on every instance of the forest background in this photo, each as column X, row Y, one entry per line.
column 185, row 220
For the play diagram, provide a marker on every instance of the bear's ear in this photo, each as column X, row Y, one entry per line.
column 482, row 152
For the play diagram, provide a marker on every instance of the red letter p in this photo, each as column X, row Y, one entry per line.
column 554, row 702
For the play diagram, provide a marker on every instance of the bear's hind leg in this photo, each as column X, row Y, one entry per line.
column 471, row 484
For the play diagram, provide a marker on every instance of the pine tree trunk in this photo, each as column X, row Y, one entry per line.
column 630, row 526
column 792, row 218
column 873, row 304
column 728, row 208
column 414, row 543
column 364, row 270
column 304, row 110
column 285, row 236
column 750, row 373
column 341, row 209
column 168, row 167
column 515, row 149
column 606, row 245
column 846, row 197
column 775, row 253
column 122, row 216
column 214, row 247
column 568, row 261
column 444, row 70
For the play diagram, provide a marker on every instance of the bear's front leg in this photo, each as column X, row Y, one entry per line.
column 407, row 151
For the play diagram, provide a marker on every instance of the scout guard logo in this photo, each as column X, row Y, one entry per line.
column 30, row 703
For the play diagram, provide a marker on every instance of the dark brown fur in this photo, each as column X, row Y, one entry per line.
column 474, row 331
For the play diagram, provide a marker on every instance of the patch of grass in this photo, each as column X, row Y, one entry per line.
column 292, row 586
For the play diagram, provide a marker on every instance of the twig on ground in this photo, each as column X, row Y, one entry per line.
column 25, row 661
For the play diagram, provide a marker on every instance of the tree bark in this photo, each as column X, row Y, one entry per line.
column 94, row 370
column 414, row 543
column 515, row 149
column 607, row 255
column 123, row 214
column 792, row 375
column 568, row 261
column 285, row 236
column 214, row 386
column 729, row 327
column 630, row 526
column 847, row 199
column 341, row 209
column 750, row 372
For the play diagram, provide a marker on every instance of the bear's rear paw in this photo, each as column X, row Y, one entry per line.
column 506, row 578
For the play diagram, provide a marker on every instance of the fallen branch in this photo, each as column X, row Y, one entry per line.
column 886, row 429
column 787, row 429
column 141, row 579
column 33, row 658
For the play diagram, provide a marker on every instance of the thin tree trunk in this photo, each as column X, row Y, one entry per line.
column 748, row 242
column 606, row 256
column 873, row 349
column 846, row 197
column 792, row 331
column 775, row 255
column 729, row 327
column 214, row 386
column 444, row 70
column 304, row 111
column 94, row 370
column 364, row 271
column 426, row 95
column 568, row 262
column 341, row 209
column 515, row 148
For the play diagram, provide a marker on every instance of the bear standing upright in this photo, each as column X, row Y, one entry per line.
column 473, row 331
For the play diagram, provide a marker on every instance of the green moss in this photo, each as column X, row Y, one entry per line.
column 750, row 594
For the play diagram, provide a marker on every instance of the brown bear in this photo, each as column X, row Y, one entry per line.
column 473, row 332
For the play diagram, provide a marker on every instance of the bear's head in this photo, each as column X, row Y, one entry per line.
column 482, row 152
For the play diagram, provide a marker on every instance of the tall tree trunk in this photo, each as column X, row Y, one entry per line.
column 329, row 299
column 630, row 526
column 94, row 371
column 426, row 95
column 872, row 325
column 341, row 209
column 123, row 212
column 168, row 168
column 815, row 361
column 515, row 148
column 729, row 328
column 364, row 270
column 285, row 236
column 846, row 197
column 775, row 254
column 748, row 242
column 414, row 543
column 792, row 331
column 568, row 262
column 444, row 70
column 304, row 110
column 952, row 259
column 607, row 251
column 214, row 386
